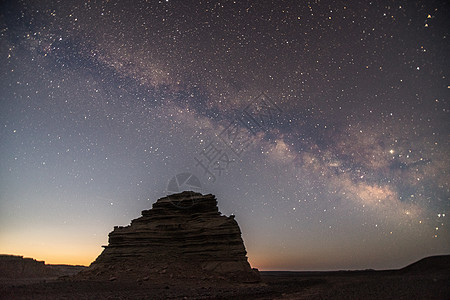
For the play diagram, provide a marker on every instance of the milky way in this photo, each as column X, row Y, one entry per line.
column 322, row 125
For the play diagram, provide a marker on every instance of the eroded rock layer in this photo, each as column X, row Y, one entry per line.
column 182, row 236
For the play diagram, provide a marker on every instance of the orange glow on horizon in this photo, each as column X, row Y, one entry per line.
column 55, row 247
column 55, row 254
column 52, row 258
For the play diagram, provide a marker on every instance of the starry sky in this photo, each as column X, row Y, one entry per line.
column 322, row 125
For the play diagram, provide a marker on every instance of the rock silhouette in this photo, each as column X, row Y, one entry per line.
column 183, row 236
column 18, row 267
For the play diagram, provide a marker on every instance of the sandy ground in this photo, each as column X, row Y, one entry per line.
column 276, row 285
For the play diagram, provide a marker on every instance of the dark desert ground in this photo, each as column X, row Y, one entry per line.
column 425, row 279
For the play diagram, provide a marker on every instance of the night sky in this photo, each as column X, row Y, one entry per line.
column 322, row 125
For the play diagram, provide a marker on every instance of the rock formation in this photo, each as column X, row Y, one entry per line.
column 18, row 267
column 183, row 236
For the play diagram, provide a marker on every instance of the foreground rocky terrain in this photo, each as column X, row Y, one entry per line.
column 429, row 279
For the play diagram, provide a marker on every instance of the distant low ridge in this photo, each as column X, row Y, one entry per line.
column 431, row 263
column 183, row 236
column 18, row 267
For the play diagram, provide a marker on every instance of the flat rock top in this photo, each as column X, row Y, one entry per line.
column 185, row 202
column 186, row 195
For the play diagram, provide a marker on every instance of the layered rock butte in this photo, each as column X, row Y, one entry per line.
column 183, row 236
